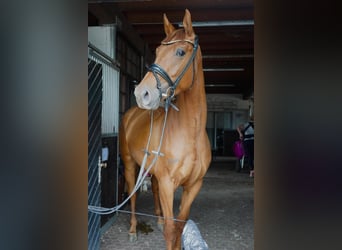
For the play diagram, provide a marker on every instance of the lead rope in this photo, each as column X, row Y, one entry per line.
column 141, row 177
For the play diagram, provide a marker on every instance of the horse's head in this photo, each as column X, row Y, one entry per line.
column 173, row 69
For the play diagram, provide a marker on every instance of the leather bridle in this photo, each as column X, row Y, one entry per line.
column 158, row 70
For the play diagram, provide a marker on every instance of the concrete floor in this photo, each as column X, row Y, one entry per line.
column 223, row 212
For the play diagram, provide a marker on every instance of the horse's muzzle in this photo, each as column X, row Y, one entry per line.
column 147, row 98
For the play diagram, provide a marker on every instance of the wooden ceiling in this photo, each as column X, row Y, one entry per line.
column 225, row 29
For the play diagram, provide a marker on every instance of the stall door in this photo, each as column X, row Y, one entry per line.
column 94, row 150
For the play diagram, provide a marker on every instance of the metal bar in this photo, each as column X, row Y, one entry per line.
column 227, row 69
column 104, row 55
column 228, row 56
column 221, row 23
column 116, row 1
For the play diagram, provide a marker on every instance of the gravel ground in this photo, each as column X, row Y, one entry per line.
column 223, row 212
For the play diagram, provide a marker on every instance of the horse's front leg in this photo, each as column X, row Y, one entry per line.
column 188, row 196
column 166, row 193
column 130, row 175
column 157, row 208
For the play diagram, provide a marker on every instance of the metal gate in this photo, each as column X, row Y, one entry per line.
column 110, row 174
column 94, row 150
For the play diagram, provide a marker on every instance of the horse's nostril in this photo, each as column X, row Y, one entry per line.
column 146, row 97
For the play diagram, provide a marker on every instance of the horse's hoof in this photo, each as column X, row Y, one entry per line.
column 132, row 237
column 160, row 226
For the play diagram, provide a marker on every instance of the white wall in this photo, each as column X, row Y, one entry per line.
column 224, row 102
column 103, row 38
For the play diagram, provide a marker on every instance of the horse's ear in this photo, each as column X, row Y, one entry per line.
column 168, row 27
column 187, row 23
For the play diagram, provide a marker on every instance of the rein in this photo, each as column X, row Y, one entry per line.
column 158, row 70
column 142, row 175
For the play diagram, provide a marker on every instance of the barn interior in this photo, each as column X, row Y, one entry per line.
column 123, row 36
column 226, row 36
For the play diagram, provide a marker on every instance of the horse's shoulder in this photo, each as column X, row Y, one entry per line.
column 134, row 117
column 131, row 111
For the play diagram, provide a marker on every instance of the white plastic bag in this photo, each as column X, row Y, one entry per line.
column 192, row 238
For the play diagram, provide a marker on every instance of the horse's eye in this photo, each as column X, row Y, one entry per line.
column 180, row 52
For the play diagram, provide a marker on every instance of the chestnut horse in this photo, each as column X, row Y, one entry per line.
column 173, row 88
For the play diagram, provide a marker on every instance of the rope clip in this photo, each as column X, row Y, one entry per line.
column 157, row 153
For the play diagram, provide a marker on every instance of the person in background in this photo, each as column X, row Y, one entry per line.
column 246, row 132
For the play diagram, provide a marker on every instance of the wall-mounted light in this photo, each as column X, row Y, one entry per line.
column 220, row 85
column 227, row 56
column 116, row 1
column 221, row 23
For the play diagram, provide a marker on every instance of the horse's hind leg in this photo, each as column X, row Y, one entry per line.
column 157, row 208
column 130, row 175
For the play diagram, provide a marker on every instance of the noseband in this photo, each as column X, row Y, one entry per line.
column 158, row 70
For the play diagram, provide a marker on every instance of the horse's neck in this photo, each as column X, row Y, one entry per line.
column 192, row 102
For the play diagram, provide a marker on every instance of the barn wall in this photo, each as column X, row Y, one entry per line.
column 102, row 49
column 225, row 112
column 223, row 102
column 104, row 38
